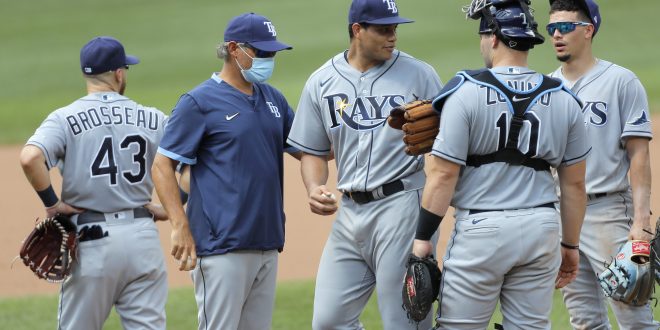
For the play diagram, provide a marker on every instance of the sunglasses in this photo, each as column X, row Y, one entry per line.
column 564, row 27
column 260, row 53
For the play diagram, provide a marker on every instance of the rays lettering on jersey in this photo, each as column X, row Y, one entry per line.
column 595, row 112
column 92, row 118
column 362, row 113
column 493, row 97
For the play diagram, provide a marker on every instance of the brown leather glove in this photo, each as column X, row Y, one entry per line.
column 51, row 248
column 419, row 123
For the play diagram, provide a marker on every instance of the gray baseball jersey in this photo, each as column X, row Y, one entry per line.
column 347, row 109
column 614, row 106
column 553, row 130
column 104, row 145
column 344, row 109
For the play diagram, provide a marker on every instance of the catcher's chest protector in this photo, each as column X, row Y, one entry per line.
column 519, row 103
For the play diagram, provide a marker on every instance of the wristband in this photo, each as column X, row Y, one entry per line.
column 570, row 247
column 48, row 196
column 427, row 224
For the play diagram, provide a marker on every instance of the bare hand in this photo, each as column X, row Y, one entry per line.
column 62, row 208
column 570, row 259
column 157, row 210
column 641, row 230
column 422, row 248
column 322, row 201
column 183, row 247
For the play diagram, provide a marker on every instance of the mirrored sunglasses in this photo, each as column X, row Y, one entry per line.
column 564, row 27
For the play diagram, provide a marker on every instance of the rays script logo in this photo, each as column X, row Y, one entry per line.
column 362, row 113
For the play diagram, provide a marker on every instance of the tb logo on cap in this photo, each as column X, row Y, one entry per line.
column 271, row 28
column 391, row 6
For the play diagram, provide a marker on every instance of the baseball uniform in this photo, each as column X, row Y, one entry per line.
column 615, row 107
column 505, row 243
column 234, row 143
column 346, row 110
column 104, row 145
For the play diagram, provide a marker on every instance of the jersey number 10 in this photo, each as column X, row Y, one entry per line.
column 110, row 167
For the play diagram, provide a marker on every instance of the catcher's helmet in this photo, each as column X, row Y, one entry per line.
column 510, row 20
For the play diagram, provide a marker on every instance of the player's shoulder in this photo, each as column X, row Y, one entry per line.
column 327, row 68
column 270, row 90
column 410, row 62
column 616, row 71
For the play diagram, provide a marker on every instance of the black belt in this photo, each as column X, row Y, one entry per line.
column 548, row 205
column 90, row 216
column 597, row 195
column 363, row 197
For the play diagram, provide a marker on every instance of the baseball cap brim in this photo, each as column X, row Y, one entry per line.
column 270, row 45
column 389, row 20
column 132, row 60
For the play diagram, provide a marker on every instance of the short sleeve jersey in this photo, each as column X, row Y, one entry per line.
column 475, row 120
column 104, row 145
column 344, row 109
column 235, row 144
column 615, row 106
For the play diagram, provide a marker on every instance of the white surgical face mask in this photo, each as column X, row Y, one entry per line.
column 261, row 70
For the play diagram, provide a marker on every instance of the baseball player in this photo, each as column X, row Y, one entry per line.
column 104, row 144
column 343, row 107
column 231, row 129
column 615, row 108
column 501, row 130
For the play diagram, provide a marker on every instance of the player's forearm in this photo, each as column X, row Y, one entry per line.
column 640, row 180
column 167, row 188
column 314, row 171
column 573, row 201
column 441, row 179
column 33, row 163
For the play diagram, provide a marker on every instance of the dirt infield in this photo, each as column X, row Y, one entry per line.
column 305, row 232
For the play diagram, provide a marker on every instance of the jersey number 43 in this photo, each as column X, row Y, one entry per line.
column 105, row 161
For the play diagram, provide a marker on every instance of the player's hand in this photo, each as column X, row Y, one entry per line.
column 62, row 208
column 422, row 248
column 570, row 259
column 183, row 246
column 322, row 201
column 641, row 229
column 157, row 210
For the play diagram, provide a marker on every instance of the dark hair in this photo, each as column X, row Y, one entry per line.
column 569, row 5
column 350, row 29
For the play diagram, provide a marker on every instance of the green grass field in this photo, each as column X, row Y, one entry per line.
column 175, row 40
column 39, row 72
column 293, row 311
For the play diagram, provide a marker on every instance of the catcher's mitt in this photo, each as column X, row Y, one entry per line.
column 420, row 286
column 419, row 122
column 50, row 249
column 655, row 253
column 628, row 278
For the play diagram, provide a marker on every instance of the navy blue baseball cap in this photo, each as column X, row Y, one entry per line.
column 380, row 12
column 256, row 30
column 590, row 7
column 103, row 54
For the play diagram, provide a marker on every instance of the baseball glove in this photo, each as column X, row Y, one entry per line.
column 628, row 277
column 419, row 123
column 420, row 286
column 655, row 253
column 50, row 249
